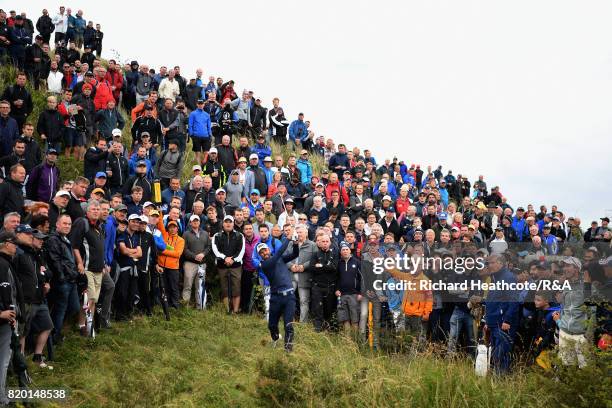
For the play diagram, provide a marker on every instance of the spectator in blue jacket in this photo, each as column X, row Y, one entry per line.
column 261, row 149
column 298, row 131
column 501, row 312
column 9, row 131
column 520, row 225
column 200, row 130
column 339, row 162
column 305, row 167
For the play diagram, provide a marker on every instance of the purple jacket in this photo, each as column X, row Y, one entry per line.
column 249, row 247
column 43, row 183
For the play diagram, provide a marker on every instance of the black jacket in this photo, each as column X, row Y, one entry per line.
column 145, row 124
column 143, row 182
column 74, row 209
column 27, row 267
column 258, row 116
column 119, row 166
column 13, row 93
column 60, row 259
column 210, row 167
column 327, row 273
column 228, row 244
column 9, row 291
column 51, row 124
column 95, row 161
column 44, row 25
column 11, row 198
column 261, row 182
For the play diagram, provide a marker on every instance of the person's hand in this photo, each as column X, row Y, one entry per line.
column 359, row 297
column 338, row 293
column 505, row 326
column 8, row 315
column 199, row 257
column 81, row 268
column 425, row 318
column 587, row 277
column 382, row 298
column 43, row 137
column 159, row 269
column 227, row 261
column 556, row 316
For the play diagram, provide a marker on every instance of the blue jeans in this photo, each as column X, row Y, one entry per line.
column 502, row 342
column 461, row 321
column 285, row 306
column 65, row 304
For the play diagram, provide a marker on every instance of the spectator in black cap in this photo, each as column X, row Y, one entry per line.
column 8, row 301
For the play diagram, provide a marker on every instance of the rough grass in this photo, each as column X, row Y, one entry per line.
column 212, row 359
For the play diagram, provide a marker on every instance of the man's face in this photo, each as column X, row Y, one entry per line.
column 93, row 212
column 63, row 225
column 228, row 225
column 19, row 149
column 19, row 174
column 323, row 242
column 267, row 206
column 221, row 196
column 79, row 189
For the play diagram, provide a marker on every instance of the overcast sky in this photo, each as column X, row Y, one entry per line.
column 518, row 91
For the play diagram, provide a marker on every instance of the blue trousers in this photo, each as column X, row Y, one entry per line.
column 285, row 306
column 65, row 304
column 461, row 321
column 502, row 342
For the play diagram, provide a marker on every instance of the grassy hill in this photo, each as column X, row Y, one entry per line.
column 211, row 359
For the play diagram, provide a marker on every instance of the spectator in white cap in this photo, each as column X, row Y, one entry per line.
column 572, row 320
column 58, row 206
column 259, row 175
column 228, row 247
column 214, row 168
column 197, row 246
column 245, row 176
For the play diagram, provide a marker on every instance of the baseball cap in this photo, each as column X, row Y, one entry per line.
column 141, row 163
column 38, row 235
column 148, row 204
column 213, row 150
column 194, row 217
column 148, row 107
column 228, row 218
column 570, row 260
column 470, row 226
column 481, row 206
column 117, row 132
column 144, row 218
column 260, row 247
column 304, row 151
column 196, row 167
column 344, row 244
column 260, row 136
column 289, row 200
column 242, row 160
column 172, row 222
column 62, row 193
column 235, row 171
column 419, row 230
column 455, row 229
column 442, row 216
column 267, row 159
column 366, row 179
column 153, row 213
column 390, row 209
column 320, row 184
column 51, row 151
column 520, row 209
column 7, row 236
column 606, row 219
column 253, row 156
column 24, row 229
column 220, row 190
column 100, row 174
column 499, row 228
column 200, row 100
column 121, row 207
column 255, row 191
column 134, row 217
column 97, row 190
column 386, row 198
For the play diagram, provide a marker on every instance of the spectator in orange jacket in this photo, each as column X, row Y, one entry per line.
column 139, row 109
column 417, row 303
column 168, row 260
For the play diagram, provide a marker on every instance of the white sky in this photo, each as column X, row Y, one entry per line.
column 520, row 91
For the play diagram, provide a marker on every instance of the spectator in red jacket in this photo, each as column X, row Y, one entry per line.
column 104, row 93
column 114, row 77
column 334, row 185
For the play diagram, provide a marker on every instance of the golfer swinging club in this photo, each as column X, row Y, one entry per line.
column 282, row 299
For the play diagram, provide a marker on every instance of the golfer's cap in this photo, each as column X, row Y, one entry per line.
column 194, row 217
column 145, row 133
column 7, row 236
column 499, row 228
column 289, row 200
column 117, row 132
column 38, row 235
column 200, row 100
column 228, row 218
column 100, row 174
column 268, row 159
column 255, row 191
column 570, row 260
column 546, row 226
column 148, row 204
column 24, row 229
column 172, row 223
column 134, row 217
column 213, row 150
column 253, row 156
column 121, row 207
column 261, row 247
column 366, row 179
column 442, row 216
column 455, row 229
column 470, row 226
column 62, row 193
column 141, row 163
column 442, row 181
column 242, row 160
column 320, row 184
column 153, row 213
column 387, row 198
column 220, row 190
column 196, row 167
column 144, row 218
column 97, row 190
column 51, row 151
column 391, row 209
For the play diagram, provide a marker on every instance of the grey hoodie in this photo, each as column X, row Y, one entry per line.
column 575, row 313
